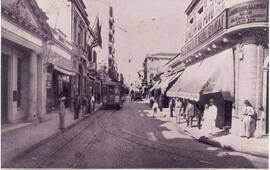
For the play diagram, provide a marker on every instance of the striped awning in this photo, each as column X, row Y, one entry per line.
column 214, row 74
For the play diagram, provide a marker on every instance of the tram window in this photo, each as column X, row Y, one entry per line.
column 116, row 90
column 110, row 89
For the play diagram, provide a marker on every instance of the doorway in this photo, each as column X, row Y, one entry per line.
column 4, row 89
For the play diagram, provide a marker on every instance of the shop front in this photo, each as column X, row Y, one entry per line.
column 59, row 84
column 211, row 78
column 226, row 60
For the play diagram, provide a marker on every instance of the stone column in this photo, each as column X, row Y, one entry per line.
column 248, row 79
column 41, row 88
column 32, row 84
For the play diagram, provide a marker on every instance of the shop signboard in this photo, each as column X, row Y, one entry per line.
column 217, row 25
column 248, row 12
column 49, row 81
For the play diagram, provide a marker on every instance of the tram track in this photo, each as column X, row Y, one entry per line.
column 137, row 142
column 69, row 141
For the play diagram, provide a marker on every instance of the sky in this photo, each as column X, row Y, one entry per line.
column 151, row 26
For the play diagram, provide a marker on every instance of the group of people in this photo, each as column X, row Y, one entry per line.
column 81, row 104
column 186, row 109
column 206, row 114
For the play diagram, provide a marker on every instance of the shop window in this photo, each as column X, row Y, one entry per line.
column 19, row 82
column 85, row 40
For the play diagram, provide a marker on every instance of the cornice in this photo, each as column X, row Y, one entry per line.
column 18, row 20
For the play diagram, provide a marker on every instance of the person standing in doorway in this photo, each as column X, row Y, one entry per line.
column 247, row 117
column 189, row 113
column 212, row 111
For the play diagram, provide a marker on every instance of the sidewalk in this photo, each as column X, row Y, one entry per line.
column 17, row 139
column 223, row 139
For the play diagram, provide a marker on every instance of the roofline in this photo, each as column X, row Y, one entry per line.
column 173, row 58
column 191, row 6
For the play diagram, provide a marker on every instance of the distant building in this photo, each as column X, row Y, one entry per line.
column 153, row 64
column 106, row 59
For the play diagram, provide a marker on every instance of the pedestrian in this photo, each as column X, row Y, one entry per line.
column 212, row 111
column 178, row 110
column 84, row 106
column 160, row 105
column 93, row 102
column 155, row 108
column 132, row 94
column 206, row 120
column 77, row 106
column 172, row 106
column 152, row 100
column 189, row 113
column 261, row 123
column 198, row 113
column 62, row 113
column 247, row 117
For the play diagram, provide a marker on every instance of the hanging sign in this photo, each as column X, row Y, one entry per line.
column 248, row 12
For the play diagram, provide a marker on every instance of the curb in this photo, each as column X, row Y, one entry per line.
column 42, row 142
column 215, row 143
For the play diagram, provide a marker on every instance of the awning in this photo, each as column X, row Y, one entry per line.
column 164, row 83
column 214, row 74
column 64, row 71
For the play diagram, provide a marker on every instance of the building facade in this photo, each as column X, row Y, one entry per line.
column 25, row 34
column 60, row 71
column 153, row 65
column 236, row 33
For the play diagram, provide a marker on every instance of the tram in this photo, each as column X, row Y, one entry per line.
column 112, row 94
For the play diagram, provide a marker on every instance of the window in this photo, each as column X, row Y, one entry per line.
column 80, row 36
column 200, row 10
column 191, row 21
column 95, row 56
column 85, row 40
column 75, row 29
column 19, row 82
column 89, row 54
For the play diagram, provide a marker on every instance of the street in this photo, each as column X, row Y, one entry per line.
column 131, row 138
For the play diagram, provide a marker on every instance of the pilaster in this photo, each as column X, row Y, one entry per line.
column 32, row 84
